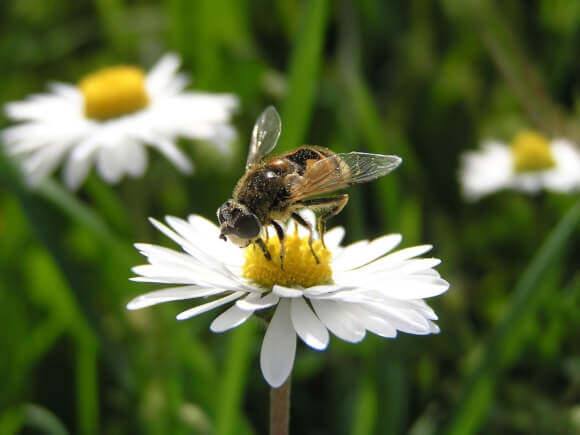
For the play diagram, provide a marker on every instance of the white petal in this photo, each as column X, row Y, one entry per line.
column 177, row 84
column 76, row 171
column 87, row 147
column 169, row 233
column 192, row 312
column 279, row 347
column 287, row 292
column 422, row 307
column 434, row 328
column 196, row 253
column 333, row 237
column 203, row 226
column 108, row 164
column 392, row 285
column 136, row 161
column 166, row 256
column 255, row 301
column 349, row 252
column 31, row 136
column 398, row 257
column 565, row 177
column 45, row 108
column 231, row 318
column 409, row 321
column 65, row 90
column 160, row 76
column 374, row 323
column 320, row 290
column 222, row 137
column 361, row 253
column 167, row 263
column 205, row 233
column 164, row 280
column 379, row 326
column 174, row 154
column 201, row 255
column 416, row 288
column 171, row 294
column 307, row 326
column 486, row 171
column 338, row 320
column 211, row 110
column 407, row 267
column 41, row 163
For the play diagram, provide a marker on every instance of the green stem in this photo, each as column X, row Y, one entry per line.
column 280, row 409
column 87, row 385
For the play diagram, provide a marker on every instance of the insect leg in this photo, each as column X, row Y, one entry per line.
column 298, row 219
column 280, row 233
column 328, row 207
column 264, row 248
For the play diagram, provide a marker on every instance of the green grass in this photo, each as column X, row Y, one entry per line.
column 423, row 80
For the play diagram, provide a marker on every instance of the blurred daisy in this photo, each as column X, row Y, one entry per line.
column 531, row 163
column 109, row 117
column 362, row 287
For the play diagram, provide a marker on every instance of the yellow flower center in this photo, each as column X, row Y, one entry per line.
column 113, row 92
column 532, row 152
column 300, row 267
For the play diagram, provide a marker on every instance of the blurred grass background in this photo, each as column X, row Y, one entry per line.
column 422, row 79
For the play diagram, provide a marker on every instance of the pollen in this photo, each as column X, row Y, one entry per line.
column 532, row 152
column 300, row 267
column 114, row 92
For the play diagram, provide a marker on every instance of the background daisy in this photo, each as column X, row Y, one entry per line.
column 530, row 164
column 109, row 118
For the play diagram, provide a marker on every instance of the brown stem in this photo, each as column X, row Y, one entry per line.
column 280, row 409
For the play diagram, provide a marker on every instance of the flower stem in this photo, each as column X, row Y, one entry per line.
column 280, row 409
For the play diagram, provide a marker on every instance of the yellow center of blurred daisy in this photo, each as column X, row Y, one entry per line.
column 532, row 152
column 300, row 267
column 113, row 92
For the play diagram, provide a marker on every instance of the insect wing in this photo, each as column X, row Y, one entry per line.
column 366, row 167
column 342, row 170
column 264, row 135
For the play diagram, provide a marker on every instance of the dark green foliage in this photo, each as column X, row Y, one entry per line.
column 424, row 80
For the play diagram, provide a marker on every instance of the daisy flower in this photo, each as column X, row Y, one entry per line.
column 531, row 163
column 109, row 117
column 366, row 286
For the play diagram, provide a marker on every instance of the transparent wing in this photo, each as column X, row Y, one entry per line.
column 265, row 135
column 342, row 170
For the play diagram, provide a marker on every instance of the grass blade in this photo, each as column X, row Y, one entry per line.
column 479, row 390
column 304, row 67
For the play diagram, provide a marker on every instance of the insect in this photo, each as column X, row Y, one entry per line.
column 274, row 188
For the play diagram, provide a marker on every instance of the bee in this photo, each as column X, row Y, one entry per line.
column 273, row 189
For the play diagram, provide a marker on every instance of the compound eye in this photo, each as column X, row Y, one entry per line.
column 247, row 226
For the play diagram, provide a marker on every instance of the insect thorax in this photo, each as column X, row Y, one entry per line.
column 263, row 192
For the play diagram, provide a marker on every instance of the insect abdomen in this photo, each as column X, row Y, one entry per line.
column 302, row 155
